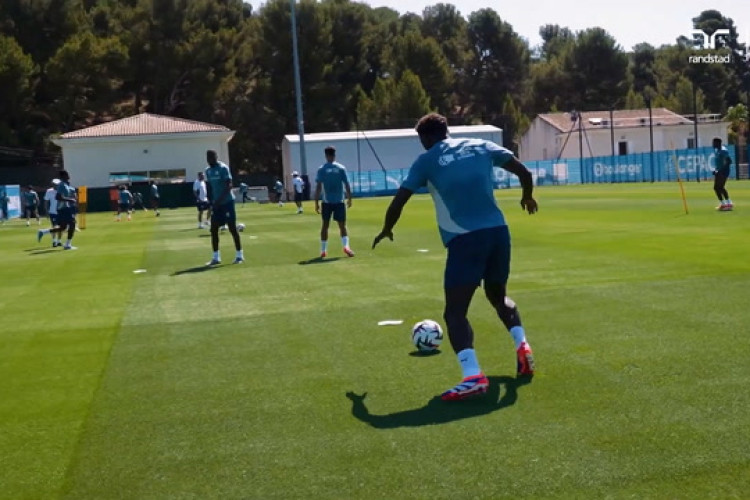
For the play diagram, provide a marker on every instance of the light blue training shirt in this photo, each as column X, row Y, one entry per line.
column 459, row 175
column 333, row 178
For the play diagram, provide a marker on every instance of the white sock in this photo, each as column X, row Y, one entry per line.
column 519, row 335
column 67, row 243
column 240, row 255
column 469, row 364
column 217, row 255
column 345, row 241
column 323, row 245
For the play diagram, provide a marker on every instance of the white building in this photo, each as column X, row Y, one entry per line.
column 141, row 148
column 556, row 135
column 362, row 151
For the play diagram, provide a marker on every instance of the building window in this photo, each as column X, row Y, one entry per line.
column 622, row 148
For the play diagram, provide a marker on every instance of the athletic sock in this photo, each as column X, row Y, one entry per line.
column 345, row 241
column 519, row 335
column 323, row 245
column 240, row 255
column 217, row 255
column 469, row 364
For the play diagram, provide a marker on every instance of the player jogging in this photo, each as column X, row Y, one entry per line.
column 278, row 188
column 299, row 189
column 125, row 203
column 722, row 163
column 31, row 205
column 66, row 216
column 222, row 200
column 154, row 197
column 331, row 181
column 50, row 200
column 201, row 199
column 458, row 174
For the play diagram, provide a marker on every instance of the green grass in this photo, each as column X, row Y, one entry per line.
column 232, row 382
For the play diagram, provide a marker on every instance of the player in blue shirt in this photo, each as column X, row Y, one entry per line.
column 31, row 205
column 154, row 197
column 125, row 203
column 458, row 174
column 219, row 180
column 66, row 214
column 331, row 182
column 723, row 164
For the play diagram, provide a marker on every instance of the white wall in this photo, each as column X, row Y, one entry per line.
column 665, row 138
column 90, row 160
column 538, row 143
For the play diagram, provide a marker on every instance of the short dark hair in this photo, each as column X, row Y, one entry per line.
column 330, row 150
column 433, row 125
column 717, row 139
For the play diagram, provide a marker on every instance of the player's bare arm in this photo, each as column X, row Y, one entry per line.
column 318, row 187
column 528, row 202
column 393, row 214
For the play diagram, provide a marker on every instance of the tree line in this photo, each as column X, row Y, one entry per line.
column 68, row 64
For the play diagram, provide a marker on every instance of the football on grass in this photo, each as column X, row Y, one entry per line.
column 427, row 335
column 240, row 227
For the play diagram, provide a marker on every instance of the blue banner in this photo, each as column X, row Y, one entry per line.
column 10, row 202
column 659, row 166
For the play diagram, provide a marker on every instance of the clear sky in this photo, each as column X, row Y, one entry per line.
column 628, row 21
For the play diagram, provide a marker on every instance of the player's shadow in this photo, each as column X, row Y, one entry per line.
column 42, row 252
column 318, row 260
column 193, row 270
column 437, row 411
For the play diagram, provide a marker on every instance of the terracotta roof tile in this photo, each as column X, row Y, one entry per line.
column 622, row 118
column 144, row 124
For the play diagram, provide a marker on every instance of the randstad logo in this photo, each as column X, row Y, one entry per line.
column 704, row 41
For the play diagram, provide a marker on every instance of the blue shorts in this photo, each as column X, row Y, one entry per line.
column 53, row 219
column 65, row 216
column 479, row 255
column 338, row 210
column 224, row 214
column 202, row 205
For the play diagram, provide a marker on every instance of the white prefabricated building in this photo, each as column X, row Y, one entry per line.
column 368, row 151
column 141, row 148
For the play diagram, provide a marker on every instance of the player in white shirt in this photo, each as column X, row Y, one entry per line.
column 201, row 199
column 299, row 188
column 50, row 203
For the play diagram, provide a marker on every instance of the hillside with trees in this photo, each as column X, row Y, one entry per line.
column 68, row 64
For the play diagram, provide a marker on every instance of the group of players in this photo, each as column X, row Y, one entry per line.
column 458, row 175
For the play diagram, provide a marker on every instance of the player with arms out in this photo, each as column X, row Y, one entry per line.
column 331, row 181
column 459, row 174
column 222, row 206
column 723, row 164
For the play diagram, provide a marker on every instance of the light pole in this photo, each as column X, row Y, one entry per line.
column 298, row 93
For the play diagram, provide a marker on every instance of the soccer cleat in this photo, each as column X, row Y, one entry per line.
column 323, row 254
column 214, row 262
column 238, row 260
column 69, row 247
column 525, row 360
column 470, row 386
column 348, row 251
column 39, row 235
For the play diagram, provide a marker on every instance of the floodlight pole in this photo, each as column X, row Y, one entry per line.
column 298, row 93
column 650, row 135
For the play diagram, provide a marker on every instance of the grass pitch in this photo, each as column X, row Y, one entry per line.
column 247, row 381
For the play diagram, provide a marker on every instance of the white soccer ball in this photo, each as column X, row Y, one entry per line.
column 240, row 227
column 427, row 335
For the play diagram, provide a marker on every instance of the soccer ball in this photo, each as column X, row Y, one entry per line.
column 240, row 227
column 427, row 335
